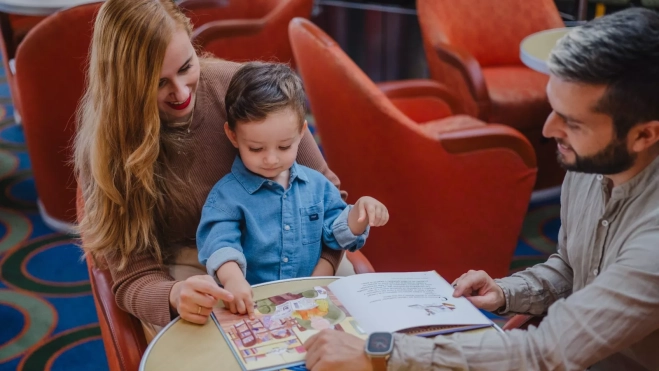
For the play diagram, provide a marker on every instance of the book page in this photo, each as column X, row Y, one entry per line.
column 282, row 324
column 397, row 301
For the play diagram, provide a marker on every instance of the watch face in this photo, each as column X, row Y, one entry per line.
column 380, row 343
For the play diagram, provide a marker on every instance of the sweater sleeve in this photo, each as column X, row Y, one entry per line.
column 309, row 155
column 142, row 288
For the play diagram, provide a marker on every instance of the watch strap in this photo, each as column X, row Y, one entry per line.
column 379, row 363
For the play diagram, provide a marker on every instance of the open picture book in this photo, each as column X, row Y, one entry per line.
column 419, row 303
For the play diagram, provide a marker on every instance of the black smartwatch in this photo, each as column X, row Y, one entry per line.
column 379, row 346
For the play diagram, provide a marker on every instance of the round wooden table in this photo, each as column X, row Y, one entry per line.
column 535, row 48
column 38, row 7
column 186, row 346
column 182, row 345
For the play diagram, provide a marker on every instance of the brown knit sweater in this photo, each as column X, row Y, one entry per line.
column 143, row 287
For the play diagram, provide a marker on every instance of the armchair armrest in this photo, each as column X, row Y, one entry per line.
column 471, row 72
column 420, row 88
column 359, row 262
column 486, row 137
column 522, row 322
column 226, row 28
column 122, row 333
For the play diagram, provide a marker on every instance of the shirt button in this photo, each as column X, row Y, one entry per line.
column 596, row 271
column 605, row 223
column 269, row 183
column 285, row 259
column 287, row 227
column 600, row 177
column 284, row 196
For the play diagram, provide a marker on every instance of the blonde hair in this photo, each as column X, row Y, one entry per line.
column 121, row 146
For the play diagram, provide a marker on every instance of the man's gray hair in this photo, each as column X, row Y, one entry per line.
column 620, row 50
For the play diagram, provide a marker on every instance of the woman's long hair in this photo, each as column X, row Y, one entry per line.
column 121, row 146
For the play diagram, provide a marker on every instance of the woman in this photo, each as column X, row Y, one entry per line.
column 149, row 147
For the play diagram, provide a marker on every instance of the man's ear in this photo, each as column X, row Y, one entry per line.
column 645, row 135
column 230, row 134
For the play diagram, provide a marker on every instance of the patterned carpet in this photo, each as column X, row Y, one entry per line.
column 47, row 315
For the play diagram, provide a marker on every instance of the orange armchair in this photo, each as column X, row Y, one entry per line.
column 473, row 47
column 13, row 29
column 122, row 333
column 245, row 30
column 49, row 94
column 456, row 188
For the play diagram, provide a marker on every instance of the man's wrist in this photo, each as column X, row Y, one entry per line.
column 378, row 349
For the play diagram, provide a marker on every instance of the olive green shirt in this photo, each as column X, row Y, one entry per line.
column 600, row 292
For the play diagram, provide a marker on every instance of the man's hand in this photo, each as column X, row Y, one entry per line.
column 195, row 297
column 480, row 289
column 331, row 350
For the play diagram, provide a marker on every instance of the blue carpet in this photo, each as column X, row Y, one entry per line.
column 47, row 315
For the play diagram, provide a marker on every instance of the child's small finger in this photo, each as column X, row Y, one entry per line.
column 250, row 308
column 240, row 306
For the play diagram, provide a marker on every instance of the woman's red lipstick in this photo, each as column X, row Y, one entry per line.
column 181, row 106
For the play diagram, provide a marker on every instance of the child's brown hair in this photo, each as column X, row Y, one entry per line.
column 258, row 89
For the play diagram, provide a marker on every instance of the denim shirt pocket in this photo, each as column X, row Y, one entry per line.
column 311, row 223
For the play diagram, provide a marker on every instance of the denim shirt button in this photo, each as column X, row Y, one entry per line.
column 285, row 259
column 284, row 196
column 287, row 227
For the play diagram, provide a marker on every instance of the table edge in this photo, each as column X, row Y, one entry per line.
column 532, row 62
column 153, row 342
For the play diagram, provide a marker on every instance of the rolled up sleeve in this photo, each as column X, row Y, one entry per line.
column 218, row 239
column 535, row 289
column 340, row 230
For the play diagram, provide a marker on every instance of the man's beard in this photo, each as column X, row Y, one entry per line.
column 613, row 159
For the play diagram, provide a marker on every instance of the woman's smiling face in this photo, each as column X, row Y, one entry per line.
column 178, row 79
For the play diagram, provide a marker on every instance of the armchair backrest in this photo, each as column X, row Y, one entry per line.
column 444, row 214
column 50, row 71
column 263, row 37
column 204, row 11
column 490, row 31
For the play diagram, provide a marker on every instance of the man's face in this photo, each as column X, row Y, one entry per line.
column 586, row 139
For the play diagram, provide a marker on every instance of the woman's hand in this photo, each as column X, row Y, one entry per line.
column 367, row 211
column 195, row 298
column 323, row 268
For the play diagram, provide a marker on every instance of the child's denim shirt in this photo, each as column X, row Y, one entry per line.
column 270, row 232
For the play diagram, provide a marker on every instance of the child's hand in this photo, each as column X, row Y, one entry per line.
column 371, row 211
column 242, row 296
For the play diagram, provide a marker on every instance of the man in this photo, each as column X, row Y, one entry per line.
column 600, row 291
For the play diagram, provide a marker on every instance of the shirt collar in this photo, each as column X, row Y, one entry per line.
column 253, row 182
column 636, row 184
